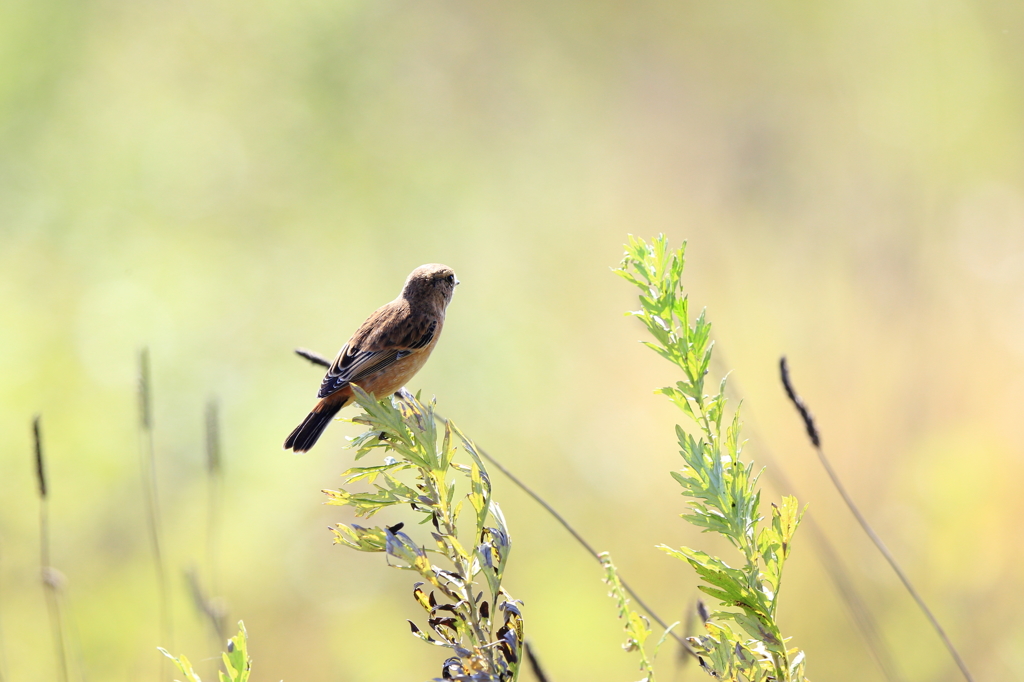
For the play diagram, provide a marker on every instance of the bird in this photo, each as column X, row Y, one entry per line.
column 385, row 352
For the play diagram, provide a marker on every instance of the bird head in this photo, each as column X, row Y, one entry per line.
column 432, row 283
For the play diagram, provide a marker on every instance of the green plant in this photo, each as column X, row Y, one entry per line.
column 743, row 640
column 424, row 475
column 637, row 627
column 236, row 660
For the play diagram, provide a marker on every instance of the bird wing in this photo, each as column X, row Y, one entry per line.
column 372, row 349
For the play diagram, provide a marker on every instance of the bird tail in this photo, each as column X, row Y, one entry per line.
column 308, row 432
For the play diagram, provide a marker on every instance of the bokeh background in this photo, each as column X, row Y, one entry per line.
column 223, row 181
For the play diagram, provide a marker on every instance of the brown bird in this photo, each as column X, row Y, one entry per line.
column 385, row 352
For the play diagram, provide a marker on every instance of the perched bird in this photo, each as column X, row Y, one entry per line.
column 385, row 352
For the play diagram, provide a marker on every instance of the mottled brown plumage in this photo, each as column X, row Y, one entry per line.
column 385, row 352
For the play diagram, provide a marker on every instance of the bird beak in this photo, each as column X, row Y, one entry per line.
column 457, row 282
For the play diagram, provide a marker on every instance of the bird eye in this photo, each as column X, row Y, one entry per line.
column 451, row 279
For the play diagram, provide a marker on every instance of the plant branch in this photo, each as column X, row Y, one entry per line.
column 743, row 642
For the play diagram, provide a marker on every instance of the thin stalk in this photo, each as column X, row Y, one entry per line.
column 215, row 497
column 50, row 577
column 815, row 437
column 833, row 564
column 147, row 456
column 205, row 605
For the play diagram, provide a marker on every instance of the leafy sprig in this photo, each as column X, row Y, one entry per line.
column 638, row 628
column 468, row 611
column 743, row 640
column 236, row 660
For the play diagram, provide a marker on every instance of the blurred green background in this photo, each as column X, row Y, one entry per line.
column 223, row 181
